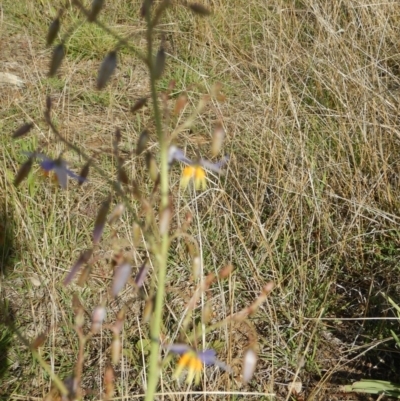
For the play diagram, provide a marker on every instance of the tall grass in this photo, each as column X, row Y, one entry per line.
column 310, row 198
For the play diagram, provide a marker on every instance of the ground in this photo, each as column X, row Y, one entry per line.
column 310, row 199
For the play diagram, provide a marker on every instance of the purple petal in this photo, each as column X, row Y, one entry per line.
column 179, row 348
column 208, row 356
column 61, row 173
column 176, row 154
column 216, row 167
column 75, row 176
column 47, row 164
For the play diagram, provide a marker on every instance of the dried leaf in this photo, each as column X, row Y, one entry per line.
column 83, row 258
column 56, row 60
column 53, row 31
column 100, row 221
column 23, row 130
column 97, row 5
column 159, row 64
column 199, row 9
column 142, row 142
column 139, row 104
column 121, row 276
column 23, row 172
column 106, row 69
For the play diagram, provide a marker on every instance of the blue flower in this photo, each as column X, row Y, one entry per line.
column 194, row 361
column 59, row 167
column 195, row 169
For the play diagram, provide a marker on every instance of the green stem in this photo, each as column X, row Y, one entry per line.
column 162, row 255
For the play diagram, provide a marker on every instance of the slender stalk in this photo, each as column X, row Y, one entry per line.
column 162, row 256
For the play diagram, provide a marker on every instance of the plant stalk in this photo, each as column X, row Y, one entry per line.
column 162, row 255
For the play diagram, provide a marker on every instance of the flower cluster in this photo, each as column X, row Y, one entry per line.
column 59, row 167
column 194, row 361
column 195, row 169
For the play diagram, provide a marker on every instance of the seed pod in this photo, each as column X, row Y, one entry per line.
column 115, row 349
column 23, row 172
column 225, row 271
column 199, row 9
column 152, row 166
column 159, row 64
column 196, row 267
column 84, row 275
column 207, row 313
column 80, row 318
column 98, row 316
column 119, row 322
column 180, row 104
column 249, row 365
column 48, row 104
column 148, row 309
column 145, row 7
column 109, row 377
column 53, row 31
column 218, row 139
column 137, row 234
column 106, row 69
column 39, row 341
column 141, row 276
column 142, row 142
column 56, row 60
column 83, row 258
column 100, row 221
column 97, row 5
column 23, row 130
column 165, row 219
column 139, row 104
column 84, row 173
column 121, row 276
column 122, row 175
column 116, row 213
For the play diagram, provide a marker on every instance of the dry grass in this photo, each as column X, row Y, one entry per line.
column 311, row 198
